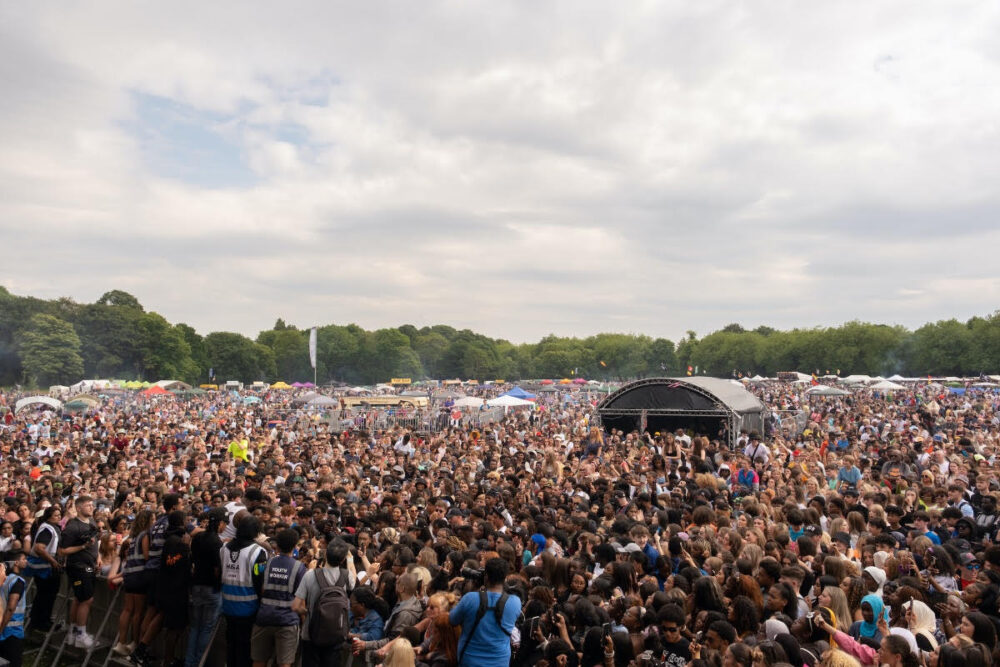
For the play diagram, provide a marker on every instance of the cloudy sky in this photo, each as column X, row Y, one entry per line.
column 517, row 168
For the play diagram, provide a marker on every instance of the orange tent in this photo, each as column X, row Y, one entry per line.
column 156, row 391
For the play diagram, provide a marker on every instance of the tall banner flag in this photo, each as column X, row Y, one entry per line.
column 312, row 347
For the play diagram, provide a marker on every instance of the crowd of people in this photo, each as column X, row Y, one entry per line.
column 852, row 531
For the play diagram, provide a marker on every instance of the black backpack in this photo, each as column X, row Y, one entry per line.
column 483, row 608
column 329, row 626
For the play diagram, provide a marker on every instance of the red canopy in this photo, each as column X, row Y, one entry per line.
column 546, row 382
column 155, row 390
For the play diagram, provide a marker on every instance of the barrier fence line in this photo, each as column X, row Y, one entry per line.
column 103, row 622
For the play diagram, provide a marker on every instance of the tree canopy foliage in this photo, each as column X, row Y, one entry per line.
column 61, row 341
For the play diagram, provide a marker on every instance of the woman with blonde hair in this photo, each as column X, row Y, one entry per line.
column 834, row 598
column 400, row 654
column 837, row 658
column 753, row 553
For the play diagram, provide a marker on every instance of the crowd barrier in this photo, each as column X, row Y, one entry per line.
column 51, row 649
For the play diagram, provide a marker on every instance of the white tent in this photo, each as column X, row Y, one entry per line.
column 37, row 400
column 469, row 402
column 757, row 378
column 172, row 384
column 824, row 390
column 885, row 385
column 855, row 379
column 323, row 402
column 58, row 390
column 507, row 402
column 896, row 378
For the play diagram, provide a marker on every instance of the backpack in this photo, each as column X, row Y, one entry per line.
column 329, row 626
column 483, row 608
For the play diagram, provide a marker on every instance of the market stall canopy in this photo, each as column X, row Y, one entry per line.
column 304, row 398
column 36, row 401
column 89, row 399
column 508, row 402
column 896, row 378
column 155, row 391
column 886, row 385
column 546, row 382
column 517, row 392
column 469, row 402
column 172, row 384
column 281, row 385
column 548, row 389
column 823, row 390
column 856, row 379
column 323, row 402
column 58, row 390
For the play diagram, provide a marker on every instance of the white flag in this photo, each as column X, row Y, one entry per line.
column 312, row 347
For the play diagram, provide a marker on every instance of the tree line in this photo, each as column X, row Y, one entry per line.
column 61, row 341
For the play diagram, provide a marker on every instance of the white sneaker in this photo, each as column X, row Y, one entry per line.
column 121, row 649
column 131, row 647
column 71, row 638
column 83, row 640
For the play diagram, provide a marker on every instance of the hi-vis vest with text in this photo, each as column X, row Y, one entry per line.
column 278, row 592
column 15, row 626
column 238, row 595
column 39, row 567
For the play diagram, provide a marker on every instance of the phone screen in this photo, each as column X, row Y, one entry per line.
column 607, row 629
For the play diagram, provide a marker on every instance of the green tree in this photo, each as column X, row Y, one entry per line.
column 198, row 371
column 164, row 354
column 236, row 357
column 431, row 347
column 50, row 351
column 662, row 358
column 119, row 299
column 942, row 348
column 291, row 353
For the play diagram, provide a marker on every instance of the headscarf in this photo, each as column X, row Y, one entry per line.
column 879, row 576
column 878, row 609
column 773, row 627
column 908, row 636
column 924, row 622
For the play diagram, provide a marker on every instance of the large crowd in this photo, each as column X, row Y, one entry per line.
column 851, row 531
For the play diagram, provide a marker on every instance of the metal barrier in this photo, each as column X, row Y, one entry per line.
column 103, row 622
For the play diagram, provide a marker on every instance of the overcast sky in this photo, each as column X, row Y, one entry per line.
column 516, row 168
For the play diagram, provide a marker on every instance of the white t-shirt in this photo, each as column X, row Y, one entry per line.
column 231, row 509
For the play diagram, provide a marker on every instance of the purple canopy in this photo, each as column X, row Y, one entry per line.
column 308, row 384
column 298, row 384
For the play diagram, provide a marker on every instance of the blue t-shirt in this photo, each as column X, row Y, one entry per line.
column 490, row 646
column 852, row 476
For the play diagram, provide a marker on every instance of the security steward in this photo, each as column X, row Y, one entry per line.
column 243, row 564
column 276, row 630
